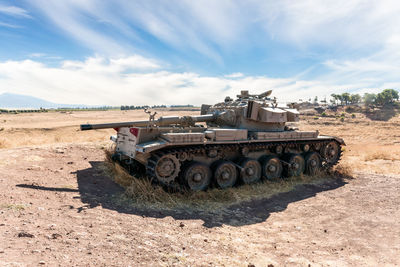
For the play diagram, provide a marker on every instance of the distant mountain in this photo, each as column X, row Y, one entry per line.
column 15, row 101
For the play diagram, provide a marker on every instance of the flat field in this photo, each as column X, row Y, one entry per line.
column 59, row 205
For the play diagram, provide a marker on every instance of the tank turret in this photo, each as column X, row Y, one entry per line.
column 252, row 112
column 244, row 140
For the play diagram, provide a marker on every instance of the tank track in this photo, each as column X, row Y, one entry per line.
column 202, row 150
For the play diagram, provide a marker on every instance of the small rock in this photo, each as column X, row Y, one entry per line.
column 70, row 162
column 251, row 265
column 181, row 225
column 205, row 240
column 25, row 234
column 270, row 265
column 325, row 231
column 55, row 236
column 52, row 226
column 42, row 262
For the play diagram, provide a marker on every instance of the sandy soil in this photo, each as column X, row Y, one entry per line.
column 58, row 207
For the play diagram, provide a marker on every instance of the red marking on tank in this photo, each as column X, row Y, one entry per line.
column 116, row 129
column 134, row 131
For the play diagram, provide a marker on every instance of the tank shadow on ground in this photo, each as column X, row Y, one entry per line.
column 54, row 189
column 96, row 189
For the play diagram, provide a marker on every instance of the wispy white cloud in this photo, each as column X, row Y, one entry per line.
column 9, row 25
column 14, row 11
column 70, row 17
column 234, row 75
column 37, row 55
column 337, row 24
column 348, row 28
column 204, row 27
column 112, row 65
column 44, row 56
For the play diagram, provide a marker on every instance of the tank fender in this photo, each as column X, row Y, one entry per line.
column 339, row 140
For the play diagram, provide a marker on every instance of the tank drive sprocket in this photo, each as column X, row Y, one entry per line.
column 331, row 153
column 164, row 168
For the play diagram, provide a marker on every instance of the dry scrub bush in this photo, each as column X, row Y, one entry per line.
column 142, row 192
column 3, row 143
column 342, row 171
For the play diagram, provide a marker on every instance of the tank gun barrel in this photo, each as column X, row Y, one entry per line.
column 162, row 121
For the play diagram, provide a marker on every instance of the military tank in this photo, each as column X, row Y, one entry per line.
column 237, row 141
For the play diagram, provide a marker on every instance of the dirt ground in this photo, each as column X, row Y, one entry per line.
column 58, row 206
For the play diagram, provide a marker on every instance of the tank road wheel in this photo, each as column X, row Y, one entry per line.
column 251, row 171
column 313, row 163
column 197, row 176
column 271, row 167
column 166, row 168
column 331, row 153
column 225, row 174
column 296, row 165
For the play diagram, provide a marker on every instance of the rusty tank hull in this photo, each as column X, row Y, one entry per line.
column 245, row 140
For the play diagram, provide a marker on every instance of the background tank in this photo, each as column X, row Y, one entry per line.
column 244, row 140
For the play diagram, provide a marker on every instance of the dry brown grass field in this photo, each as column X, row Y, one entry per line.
column 60, row 205
column 371, row 145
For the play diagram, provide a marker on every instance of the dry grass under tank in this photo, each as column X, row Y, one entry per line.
column 140, row 192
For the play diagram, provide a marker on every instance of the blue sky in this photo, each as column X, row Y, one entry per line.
column 177, row 52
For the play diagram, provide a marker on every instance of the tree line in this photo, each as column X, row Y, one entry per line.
column 155, row 106
column 387, row 96
column 141, row 107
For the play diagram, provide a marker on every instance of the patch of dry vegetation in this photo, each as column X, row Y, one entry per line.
column 3, row 143
column 141, row 192
column 17, row 207
column 383, row 155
